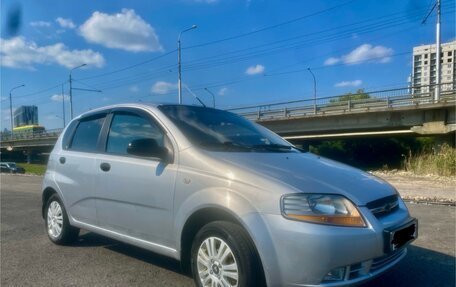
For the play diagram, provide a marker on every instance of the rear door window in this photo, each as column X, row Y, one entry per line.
column 85, row 137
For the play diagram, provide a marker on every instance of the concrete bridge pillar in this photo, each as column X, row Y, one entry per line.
column 28, row 154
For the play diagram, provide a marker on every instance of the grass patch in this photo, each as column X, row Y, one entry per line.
column 32, row 168
column 441, row 162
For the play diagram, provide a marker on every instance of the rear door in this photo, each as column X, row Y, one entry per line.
column 135, row 194
column 75, row 167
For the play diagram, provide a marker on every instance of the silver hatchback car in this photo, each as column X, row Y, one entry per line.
column 234, row 202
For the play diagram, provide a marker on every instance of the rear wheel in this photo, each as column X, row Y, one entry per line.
column 223, row 255
column 58, row 226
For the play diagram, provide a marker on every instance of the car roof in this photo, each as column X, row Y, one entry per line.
column 151, row 106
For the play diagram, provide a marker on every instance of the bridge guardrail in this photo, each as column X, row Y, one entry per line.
column 31, row 135
column 401, row 97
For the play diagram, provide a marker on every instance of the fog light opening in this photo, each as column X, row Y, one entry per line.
column 337, row 274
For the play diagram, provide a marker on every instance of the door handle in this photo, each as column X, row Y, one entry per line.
column 62, row 160
column 105, row 166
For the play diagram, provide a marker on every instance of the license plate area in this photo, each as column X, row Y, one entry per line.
column 401, row 236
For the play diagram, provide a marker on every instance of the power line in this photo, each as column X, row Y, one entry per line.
column 129, row 67
column 270, row 27
column 307, row 43
column 337, row 65
column 202, row 64
column 41, row 91
column 237, row 56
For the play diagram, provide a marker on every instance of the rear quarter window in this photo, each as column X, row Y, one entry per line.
column 66, row 140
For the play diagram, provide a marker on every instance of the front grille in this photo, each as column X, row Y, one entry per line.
column 384, row 206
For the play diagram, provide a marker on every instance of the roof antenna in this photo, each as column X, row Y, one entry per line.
column 195, row 96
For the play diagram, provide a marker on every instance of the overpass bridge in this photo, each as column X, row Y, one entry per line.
column 380, row 113
column 389, row 112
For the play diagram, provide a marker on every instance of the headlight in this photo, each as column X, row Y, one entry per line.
column 321, row 208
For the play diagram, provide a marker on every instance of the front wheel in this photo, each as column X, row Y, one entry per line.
column 58, row 226
column 223, row 255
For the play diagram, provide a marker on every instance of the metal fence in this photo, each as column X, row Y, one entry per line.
column 31, row 135
column 362, row 101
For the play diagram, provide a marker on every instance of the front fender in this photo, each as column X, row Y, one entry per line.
column 239, row 207
column 222, row 198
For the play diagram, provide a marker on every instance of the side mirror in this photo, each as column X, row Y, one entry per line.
column 147, row 148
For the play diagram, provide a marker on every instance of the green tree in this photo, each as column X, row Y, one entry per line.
column 358, row 95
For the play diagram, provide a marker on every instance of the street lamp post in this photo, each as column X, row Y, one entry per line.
column 11, row 106
column 315, row 90
column 63, row 107
column 71, row 88
column 213, row 96
column 179, row 80
column 437, row 54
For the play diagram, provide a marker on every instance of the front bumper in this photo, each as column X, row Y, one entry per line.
column 301, row 254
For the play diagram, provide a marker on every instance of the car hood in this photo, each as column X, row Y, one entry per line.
column 306, row 172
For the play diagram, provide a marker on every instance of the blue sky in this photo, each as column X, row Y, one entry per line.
column 246, row 52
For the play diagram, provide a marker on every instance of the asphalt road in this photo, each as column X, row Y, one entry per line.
column 28, row 258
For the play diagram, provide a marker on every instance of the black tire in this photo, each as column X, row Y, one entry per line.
column 68, row 233
column 248, row 263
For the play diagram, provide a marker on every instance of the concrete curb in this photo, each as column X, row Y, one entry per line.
column 430, row 202
column 21, row 174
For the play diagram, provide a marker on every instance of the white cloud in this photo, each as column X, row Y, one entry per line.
column 58, row 97
column 65, row 23
column 254, row 70
column 331, row 61
column 125, row 30
column 19, row 53
column 40, row 24
column 365, row 52
column 222, row 91
column 162, row 87
column 354, row 83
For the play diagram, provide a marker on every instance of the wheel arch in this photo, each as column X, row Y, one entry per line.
column 200, row 218
column 47, row 193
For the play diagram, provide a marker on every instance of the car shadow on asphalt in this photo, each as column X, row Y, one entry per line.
column 420, row 268
column 89, row 239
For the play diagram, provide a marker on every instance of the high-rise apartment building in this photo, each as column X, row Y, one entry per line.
column 26, row 115
column 424, row 67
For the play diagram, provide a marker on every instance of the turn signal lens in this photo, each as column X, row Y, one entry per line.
column 321, row 208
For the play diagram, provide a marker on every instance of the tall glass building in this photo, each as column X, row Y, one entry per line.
column 26, row 115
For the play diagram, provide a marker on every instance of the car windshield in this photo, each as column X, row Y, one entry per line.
column 224, row 131
column 12, row 165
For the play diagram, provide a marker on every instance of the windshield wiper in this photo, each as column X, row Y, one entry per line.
column 273, row 147
column 227, row 145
